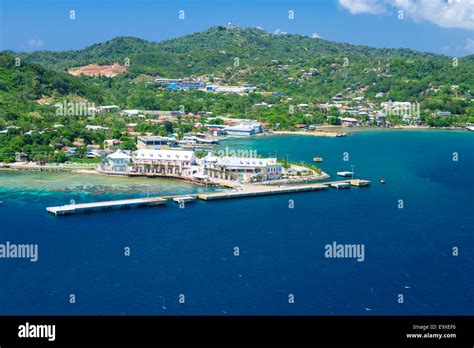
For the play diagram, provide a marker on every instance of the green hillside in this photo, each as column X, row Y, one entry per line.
column 294, row 69
column 23, row 86
column 214, row 49
column 279, row 61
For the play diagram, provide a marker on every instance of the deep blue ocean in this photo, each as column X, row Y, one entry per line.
column 190, row 251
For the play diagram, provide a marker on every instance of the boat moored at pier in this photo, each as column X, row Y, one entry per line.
column 185, row 199
column 345, row 174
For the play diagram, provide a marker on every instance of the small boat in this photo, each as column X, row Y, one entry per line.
column 359, row 182
column 341, row 185
column 185, row 199
column 318, row 159
column 345, row 174
column 382, row 181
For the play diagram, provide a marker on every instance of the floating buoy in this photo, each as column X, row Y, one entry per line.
column 382, row 181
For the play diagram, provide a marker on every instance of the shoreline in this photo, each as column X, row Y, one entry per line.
column 88, row 170
column 216, row 183
column 310, row 133
column 53, row 170
column 330, row 131
column 405, row 127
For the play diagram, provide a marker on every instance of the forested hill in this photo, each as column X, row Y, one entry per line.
column 215, row 49
column 115, row 50
column 24, row 85
column 469, row 58
column 277, row 61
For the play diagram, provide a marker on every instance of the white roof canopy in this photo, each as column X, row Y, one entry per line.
column 119, row 154
column 167, row 155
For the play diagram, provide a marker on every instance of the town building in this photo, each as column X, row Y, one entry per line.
column 21, row 157
column 349, row 122
column 260, row 105
column 215, row 129
column 131, row 126
column 116, row 162
column 165, row 82
column 185, row 85
column 303, row 106
column 240, row 130
column 244, row 128
column 111, row 144
column 230, row 89
column 132, row 112
column 442, row 114
column 241, row 168
column 379, row 119
column 154, row 142
column 95, row 128
column 107, row 108
column 198, row 139
column 163, row 161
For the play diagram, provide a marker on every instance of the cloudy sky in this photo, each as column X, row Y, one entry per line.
column 440, row 26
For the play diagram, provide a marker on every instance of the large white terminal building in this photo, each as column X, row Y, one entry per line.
column 186, row 164
column 241, row 168
column 163, row 161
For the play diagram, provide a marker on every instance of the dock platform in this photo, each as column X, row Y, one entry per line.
column 262, row 191
column 359, row 182
column 341, row 185
column 246, row 191
column 87, row 207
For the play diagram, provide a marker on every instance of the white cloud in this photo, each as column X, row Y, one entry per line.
column 315, row 36
column 364, row 6
column 469, row 46
column 444, row 13
column 35, row 43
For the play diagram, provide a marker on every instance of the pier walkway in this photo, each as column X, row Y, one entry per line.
column 241, row 192
column 250, row 191
column 86, row 207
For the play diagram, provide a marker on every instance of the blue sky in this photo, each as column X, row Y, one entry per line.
column 27, row 25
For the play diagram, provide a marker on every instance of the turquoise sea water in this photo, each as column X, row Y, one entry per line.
column 190, row 251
